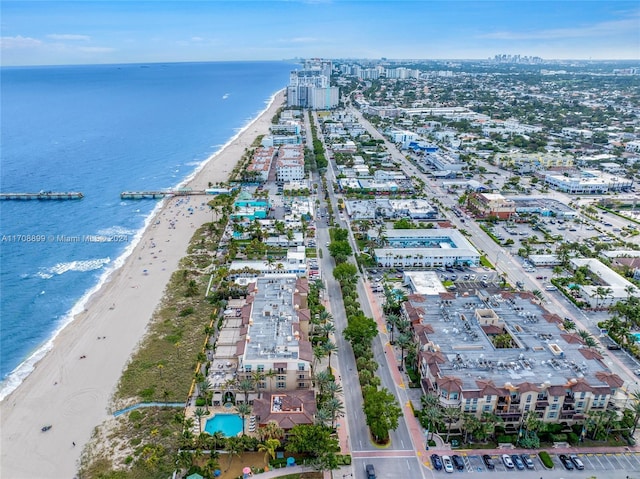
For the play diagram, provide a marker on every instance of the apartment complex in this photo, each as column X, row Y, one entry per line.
column 430, row 248
column 466, row 360
column 290, row 163
column 261, row 162
column 311, row 88
column 264, row 336
column 589, row 182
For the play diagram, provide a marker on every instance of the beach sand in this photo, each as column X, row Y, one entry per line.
column 72, row 386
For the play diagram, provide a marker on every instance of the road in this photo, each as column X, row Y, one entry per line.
column 401, row 455
column 406, row 458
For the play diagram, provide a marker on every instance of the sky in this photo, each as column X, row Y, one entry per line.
column 48, row 32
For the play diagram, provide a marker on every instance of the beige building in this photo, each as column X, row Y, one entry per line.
column 491, row 204
column 264, row 338
column 538, row 366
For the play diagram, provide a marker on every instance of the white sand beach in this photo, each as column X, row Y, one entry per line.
column 71, row 387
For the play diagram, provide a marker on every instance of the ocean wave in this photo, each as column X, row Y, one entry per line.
column 80, row 266
column 116, row 230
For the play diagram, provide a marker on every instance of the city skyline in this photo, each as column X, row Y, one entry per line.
column 88, row 32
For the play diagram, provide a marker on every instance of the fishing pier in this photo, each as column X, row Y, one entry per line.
column 43, row 195
column 140, row 195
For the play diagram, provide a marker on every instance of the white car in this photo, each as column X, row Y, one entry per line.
column 506, row 459
column 447, row 463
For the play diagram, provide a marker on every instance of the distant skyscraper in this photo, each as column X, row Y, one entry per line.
column 311, row 87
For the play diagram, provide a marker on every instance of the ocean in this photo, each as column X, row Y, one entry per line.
column 99, row 130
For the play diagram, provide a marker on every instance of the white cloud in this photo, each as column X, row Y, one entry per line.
column 197, row 39
column 96, row 49
column 19, row 42
column 602, row 29
column 69, row 37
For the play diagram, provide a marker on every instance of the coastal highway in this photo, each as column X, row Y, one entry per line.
column 401, row 454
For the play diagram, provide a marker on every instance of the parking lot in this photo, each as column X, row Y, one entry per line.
column 623, row 461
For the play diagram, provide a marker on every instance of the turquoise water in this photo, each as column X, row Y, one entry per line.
column 637, row 336
column 229, row 424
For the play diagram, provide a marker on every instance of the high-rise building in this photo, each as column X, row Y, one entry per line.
column 311, row 87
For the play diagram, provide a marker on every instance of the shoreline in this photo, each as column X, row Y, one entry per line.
column 26, row 367
column 71, row 386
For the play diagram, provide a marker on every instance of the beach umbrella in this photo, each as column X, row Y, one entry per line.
column 246, row 470
column 291, row 461
column 195, row 475
column 217, row 473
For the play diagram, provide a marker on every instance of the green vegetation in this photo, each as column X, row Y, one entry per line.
column 546, row 459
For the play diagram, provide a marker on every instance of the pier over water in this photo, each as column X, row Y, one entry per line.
column 139, row 195
column 43, row 195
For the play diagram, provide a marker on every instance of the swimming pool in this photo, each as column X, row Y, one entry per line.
column 228, row 424
column 637, row 336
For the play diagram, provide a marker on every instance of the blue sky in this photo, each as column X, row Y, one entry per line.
column 120, row 31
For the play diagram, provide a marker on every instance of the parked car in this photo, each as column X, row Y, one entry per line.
column 517, row 462
column 488, row 462
column 613, row 347
column 371, row 471
column 576, row 462
column 436, row 462
column 566, row 462
column 506, row 460
column 448, row 465
column 458, row 462
column 527, row 461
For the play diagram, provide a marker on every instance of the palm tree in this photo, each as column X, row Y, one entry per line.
column 322, row 379
column 323, row 417
column 336, row 409
column 318, row 354
column 244, row 409
column 392, row 319
column 210, row 466
column 271, row 430
column 234, row 448
column 569, row 324
column 216, row 440
column 333, row 388
column 246, row 385
column 204, row 387
column 270, row 375
column 404, row 340
column 257, row 378
column 329, row 347
column 635, row 395
column 185, row 459
column 269, row 448
column 200, row 413
column 450, row 415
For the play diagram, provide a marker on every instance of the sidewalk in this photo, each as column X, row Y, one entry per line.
column 414, row 427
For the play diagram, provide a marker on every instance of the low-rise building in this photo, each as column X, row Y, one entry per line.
column 589, row 182
column 491, row 204
column 261, row 162
column 391, row 209
column 290, row 163
column 264, row 338
column 419, row 248
column 507, row 355
column 611, row 288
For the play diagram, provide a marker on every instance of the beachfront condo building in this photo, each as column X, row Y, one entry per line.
column 290, row 163
column 264, row 339
column 312, row 89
